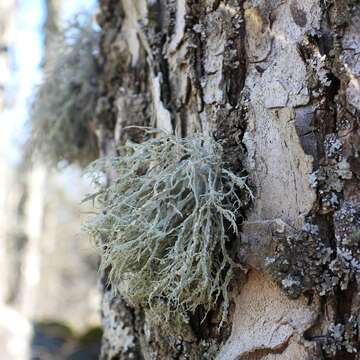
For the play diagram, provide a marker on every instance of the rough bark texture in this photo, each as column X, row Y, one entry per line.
column 278, row 84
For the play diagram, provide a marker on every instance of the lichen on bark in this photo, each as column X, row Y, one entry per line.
column 165, row 223
column 276, row 84
column 63, row 112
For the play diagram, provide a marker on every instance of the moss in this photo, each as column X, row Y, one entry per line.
column 166, row 220
column 65, row 102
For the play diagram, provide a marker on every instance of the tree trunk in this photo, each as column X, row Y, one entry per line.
column 278, row 84
column 37, row 182
column 7, row 12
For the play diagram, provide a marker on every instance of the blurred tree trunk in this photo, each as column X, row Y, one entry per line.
column 7, row 12
column 278, row 84
column 37, row 179
column 12, row 324
column 51, row 25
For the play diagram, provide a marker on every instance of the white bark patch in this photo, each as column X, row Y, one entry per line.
column 277, row 163
column 351, row 58
column 162, row 115
column 179, row 72
column 351, row 46
column 278, row 166
column 179, row 27
column 284, row 81
column 295, row 18
column 135, row 10
column 353, row 92
column 266, row 319
column 213, row 65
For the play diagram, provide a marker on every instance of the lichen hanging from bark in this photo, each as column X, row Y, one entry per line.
column 63, row 112
column 166, row 221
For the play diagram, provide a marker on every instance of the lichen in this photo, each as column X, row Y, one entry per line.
column 329, row 180
column 303, row 261
column 165, row 223
column 340, row 337
column 300, row 262
column 306, row 260
column 347, row 234
column 65, row 102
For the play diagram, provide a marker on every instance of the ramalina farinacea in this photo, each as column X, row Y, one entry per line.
column 164, row 223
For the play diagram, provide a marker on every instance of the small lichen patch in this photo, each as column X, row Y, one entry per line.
column 347, row 233
column 329, row 179
column 166, row 221
column 303, row 261
column 299, row 262
column 340, row 337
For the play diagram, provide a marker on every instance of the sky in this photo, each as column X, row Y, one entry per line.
column 25, row 57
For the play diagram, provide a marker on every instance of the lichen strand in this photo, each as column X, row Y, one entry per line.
column 65, row 103
column 166, row 221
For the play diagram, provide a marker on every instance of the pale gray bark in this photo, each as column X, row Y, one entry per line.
column 15, row 331
column 7, row 12
column 277, row 83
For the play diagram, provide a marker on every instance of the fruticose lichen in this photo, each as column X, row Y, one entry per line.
column 65, row 102
column 166, row 221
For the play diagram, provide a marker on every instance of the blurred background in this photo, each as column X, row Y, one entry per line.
column 49, row 297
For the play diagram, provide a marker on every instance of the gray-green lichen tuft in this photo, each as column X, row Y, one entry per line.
column 65, row 102
column 165, row 223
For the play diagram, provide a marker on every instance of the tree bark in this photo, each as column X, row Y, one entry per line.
column 36, row 184
column 278, row 84
column 7, row 12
